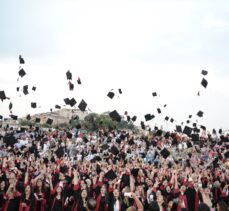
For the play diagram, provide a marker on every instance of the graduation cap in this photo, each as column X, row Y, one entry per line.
column 158, row 133
column 148, row 117
column 21, row 60
column 110, row 175
column 200, row 113
column 71, row 86
column 69, row 75
column 189, row 144
column 22, row 72
column 18, row 88
column 28, row 117
column 114, row 150
column 134, row 172
column 78, row 80
column 204, row 72
column 10, row 106
column 78, row 126
column 14, row 117
column 63, row 169
column 226, row 154
column 166, row 118
column 214, row 131
column 190, row 116
column 187, row 121
column 187, row 130
column 115, row 116
column 57, row 107
column 204, row 82
column 25, row 89
column 33, row 105
column 59, row 152
column 171, row 120
column 120, row 91
column 37, row 120
column 143, row 125
column 69, row 135
column 82, row 106
column 159, row 110
column 49, row 121
column 134, row 118
column 72, row 102
column 195, row 137
column 128, row 118
column 165, row 153
column 34, row 88
column 194, row 124
column 154, row 94
column 2, row 95
column 220, row 131
column 165, row 105
column 203, row 127
column 1, row 116
column 105, row 147
column 110, row 95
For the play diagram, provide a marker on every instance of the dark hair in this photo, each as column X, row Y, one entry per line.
column 222, row 206
column 154, row 206
column 184, row 209
column 203, row 207
column 91, row 204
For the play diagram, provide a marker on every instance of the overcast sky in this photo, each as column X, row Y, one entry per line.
column 138, row 46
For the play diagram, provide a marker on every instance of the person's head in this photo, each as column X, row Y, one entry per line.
column 103, row 190
column 116, row 193
column 27, row 189
column 91, row 204
column 39, row 183
column 222, row 206
column 132, row 208
column 203, row 207
column 59, row 189
column 3, row 185
column 184, row 209
column 154, row 206
column 84, row 193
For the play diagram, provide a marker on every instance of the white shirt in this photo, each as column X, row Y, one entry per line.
column 116, row 206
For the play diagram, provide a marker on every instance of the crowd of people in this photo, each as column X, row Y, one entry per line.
column 60, row 169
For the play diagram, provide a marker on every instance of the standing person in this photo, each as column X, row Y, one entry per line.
column 222, row 206
column 27, row 200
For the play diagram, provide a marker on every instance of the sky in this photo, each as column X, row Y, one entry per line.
column 139, row 46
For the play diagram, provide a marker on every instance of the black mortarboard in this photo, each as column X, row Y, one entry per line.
column 158, row 133
column 204, row 83
column 200, row 113
column 128, row 118
column 187, row 130
column 120, row 91
column 110, row 95
column 69, row 75
column 159, row 110
column 110, row 175
column 22, row 72
column 63, row 169
column 187, row 121
column 226, row 154
column 1, row 116
column 25, row 89
column 78, row 126
column 143, row 125
column 82, row 106
column 67, row 101
column 204, row 72
column 214, row 131
column 165, row 153
column 57, row 107
column 194, row 124
column 203, row 127
column 134, row 118
column 2, row 95
column 114, row 150
column 105, row 147
column 134, row 172
column 190, row 116
column 33, row 105
column 60, row 152
column 78, row 80
column 10, row 106
column 69, row 135
column 34, row 88
column 154, row 94
column 171, row 120
column 220, row 131
column 195, row 137
column 72, row 102
column 165, row 105
column 18, row 88
column 28, row 117
column 189, row 144
column 71, row 86
column 148, row 117
column 115, row 116
column 37, row 120
column 49, row 121
column 13, row 117
column 166, row 118
column 21, row 60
